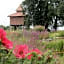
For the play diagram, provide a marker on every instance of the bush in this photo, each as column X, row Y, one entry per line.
column 44, row 35
column 39, row 28
column 61, row 33
column 55, row 45
column 56, row 34
column 53, row 35
column 5, row 27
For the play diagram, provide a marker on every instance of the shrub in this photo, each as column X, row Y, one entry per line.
column 53, row 34
column 39, row 28
column 55, row 45
column 56, row 34
column 44, row 35
column 61, row 33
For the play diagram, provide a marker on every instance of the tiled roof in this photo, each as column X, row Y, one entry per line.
column 17, row 14
column 19, row 9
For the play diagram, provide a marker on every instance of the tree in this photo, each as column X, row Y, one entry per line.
column 35, row 10
column 60, row 12
column 42, row 12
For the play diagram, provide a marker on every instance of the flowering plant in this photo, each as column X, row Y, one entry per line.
column 21, row 53
column 4, row 41
column 34, row 56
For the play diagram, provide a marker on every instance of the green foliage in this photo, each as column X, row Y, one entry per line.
column 53, row 35
column 5, row 27
column 56, row 34
column 35, row 12
column 44, row 59
column 9, row 58
column 6, row 57
column 42, row 12
column 61, row 34
column 60, row 11
column 55, row 45
column 39, row 28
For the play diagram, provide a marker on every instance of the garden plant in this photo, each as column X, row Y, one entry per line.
column 21, row 54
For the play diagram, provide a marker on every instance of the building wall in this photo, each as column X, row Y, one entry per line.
column 16, row 20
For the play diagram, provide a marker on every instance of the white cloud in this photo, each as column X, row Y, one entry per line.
column 7, row 7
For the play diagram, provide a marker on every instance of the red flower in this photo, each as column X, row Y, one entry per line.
column 29, row 56
column 20, row 51
column 2, row 33
column 37, row 51
column 7, row 43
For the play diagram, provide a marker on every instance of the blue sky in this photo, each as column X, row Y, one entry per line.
column 7, row 7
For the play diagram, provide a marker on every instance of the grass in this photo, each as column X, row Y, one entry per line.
column 56, row 34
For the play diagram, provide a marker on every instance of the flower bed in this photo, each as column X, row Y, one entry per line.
column 21, row 53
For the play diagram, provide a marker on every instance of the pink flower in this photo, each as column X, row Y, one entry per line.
column 29, row 56
column 37, row 51
column 2, row 33
column 20, row 51
column 7, row 43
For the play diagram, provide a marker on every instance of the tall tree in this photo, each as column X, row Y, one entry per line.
column 60, row 12
column 42, row 12
column 35, row 10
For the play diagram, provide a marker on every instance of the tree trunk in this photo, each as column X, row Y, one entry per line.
column 55, row 24
column 46, row 25
column 46, row 17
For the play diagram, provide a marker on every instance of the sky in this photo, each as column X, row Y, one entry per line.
column 8, row 7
